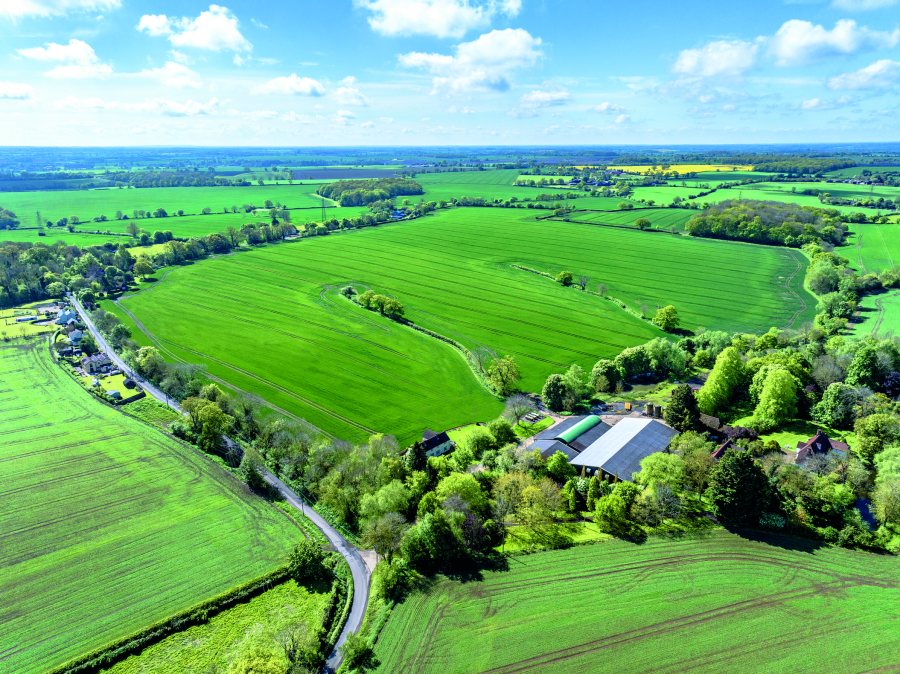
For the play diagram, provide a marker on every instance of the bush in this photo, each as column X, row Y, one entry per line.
column 307, row 563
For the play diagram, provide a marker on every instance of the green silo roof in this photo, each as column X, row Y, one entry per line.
column 582, row 426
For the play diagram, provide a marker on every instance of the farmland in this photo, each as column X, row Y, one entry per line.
column 683, row 168
column 873, row 248
column 660, row 218
column 279, row 328
column 667, row 605
column 881, row 315
column 252, row 626
column 491, row 185
column 107, row 525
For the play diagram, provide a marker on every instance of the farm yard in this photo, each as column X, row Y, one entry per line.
column 454, row 274
column 106, row 525
column 669, row 605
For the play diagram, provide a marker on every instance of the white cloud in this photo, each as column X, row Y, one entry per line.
column 861, row 5
column 292, row 85
column 349, row 94
column 215, row 29
column 22, row 8
column 16, row 91
column 159, row 106
column 606, row 106
column 77, row 60
column 440, row 18
column 622, row 119
column 174, row 75
column 883, row 74
column 811, row 104
column 544, row 98
column 722, row 57
column 798, row 42
column 367, row 125
column 344, row 117
column 484, row 63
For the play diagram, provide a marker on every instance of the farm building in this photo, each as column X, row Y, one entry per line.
column 570, row 436
column 436, row 444
column 65, row 316
column 719, row 452
column 618, row 453
column 75, row 337
column 818, row 445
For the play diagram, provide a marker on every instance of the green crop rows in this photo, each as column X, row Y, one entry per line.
column 720, row 603
column 276, row 325
column 106, row 525
column 660, row 218
column 873, row 248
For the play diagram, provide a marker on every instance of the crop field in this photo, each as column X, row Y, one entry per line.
column 663, row 195
column 669, row 605
column 873, row 248
column 776, row 192
column 278, row 327
column 855, row 171
column 252, row 626
column 684, row 168
column 843, row 190
column 661, row 218
column 107, row 526
column 51, row 236
column 497, row 184
column 88, row 204
column 881, row 315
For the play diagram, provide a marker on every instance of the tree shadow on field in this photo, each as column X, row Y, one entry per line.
column 779, row 540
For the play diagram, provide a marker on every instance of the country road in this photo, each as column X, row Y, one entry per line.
column 359, row 571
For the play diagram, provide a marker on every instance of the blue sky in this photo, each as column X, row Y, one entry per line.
column 456, row 72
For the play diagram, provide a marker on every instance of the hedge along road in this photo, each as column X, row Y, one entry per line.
column 358, row 569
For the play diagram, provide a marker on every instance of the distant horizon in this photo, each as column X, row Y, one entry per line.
column 661, row 147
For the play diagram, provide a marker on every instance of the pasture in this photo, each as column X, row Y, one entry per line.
column 277, row 326
column 106, row 525
column 663, row 194
column 873, row 248
column 856, row 171
column 660, row 218
column 716, row 603
column 880, row 314
column 778, row 192
column 252, row 626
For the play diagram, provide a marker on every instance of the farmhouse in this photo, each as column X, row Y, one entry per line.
column 819, row 444
column 618, row 453
column 571, row 436
column 96, row 363
column 436, row 444
column 75, row 337
column 65, row 316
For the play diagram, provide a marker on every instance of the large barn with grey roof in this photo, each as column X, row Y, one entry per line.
column 571, row 436
column 618, row 452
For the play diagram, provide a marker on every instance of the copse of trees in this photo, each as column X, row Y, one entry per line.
column 364, row 192
column 769, row 222
column 8, row 219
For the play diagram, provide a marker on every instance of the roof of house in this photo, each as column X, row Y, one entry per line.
column 551, row 446
column 620, row 450
column 586, row 439
column 436, row 439
column 819, row 444
column 99, row 357
column 721, row 449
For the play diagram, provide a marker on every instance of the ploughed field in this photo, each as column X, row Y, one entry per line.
column 717, row 603
column 272, row 322
column 106, row 525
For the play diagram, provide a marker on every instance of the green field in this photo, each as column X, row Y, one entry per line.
column 881, row 315
column 782, row 192
column 277, row 326
column 252, row 626
column 664, row 194
column 107, row 526
column 77, row 238
column 855, row 171
column 718, row 603
column 660, row 218
column 497, row 184
column 873, row 248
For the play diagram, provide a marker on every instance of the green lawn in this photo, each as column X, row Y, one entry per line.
column 881, row 315
column 873, row 248
column 714, row 603
column 276, row 325
column 250, row 627
column 106, row 525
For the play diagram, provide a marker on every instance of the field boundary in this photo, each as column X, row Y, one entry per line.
column 196, row 615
